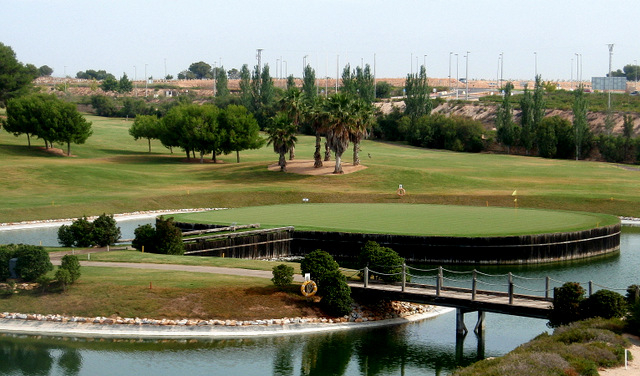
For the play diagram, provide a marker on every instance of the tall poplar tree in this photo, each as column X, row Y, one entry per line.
column 527, row 136
column 222, row 82
column 417, row 100
column 580, row 125
column 507, row 131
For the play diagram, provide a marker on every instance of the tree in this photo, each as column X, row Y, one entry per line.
column 124, row 84
column 246, row 96
column 64, row 278
column 233, row 74
column 320, row 265
column 145, row 126
column 109, row 83
column 282, row 275
column 336, row 294
column 6, row 253
column 241, row 130
column 291, row 82
column 546, row 136
column 45, row 71
column 309, row 87
column 381, row 259
column 72, row 265
column 144, row 238
column 507, row 131
column 15, row 78
column 417, row 100
column 339, row 121
column 33, row 262
column 606, row 304
column 222, row 82
column 566, row 304
column 168, row 238
column 282, row 135
column 527, row 136
column 580, row 125
column 200, row 70
column 365, row 83
column 363, row 119
column 66, row 236
column 104, row 105
column 82, row 231
column 539, row 104
column 72, row 126
column 348, row 81
column 105, row 230
column 192, row 128
column 25, row 114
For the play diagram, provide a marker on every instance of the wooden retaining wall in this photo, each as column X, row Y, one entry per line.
column 256, row 244
column 475, row 250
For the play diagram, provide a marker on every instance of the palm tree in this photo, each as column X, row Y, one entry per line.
column 282, row 135
column 294, row 105
column 338, row 119
column 314, row 115
column 363, row 117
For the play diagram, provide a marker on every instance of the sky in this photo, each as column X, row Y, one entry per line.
column 131, row 36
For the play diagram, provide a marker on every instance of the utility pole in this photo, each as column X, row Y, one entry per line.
column 450, row 53
column 535, row 59
column 259, row 58
column 467, row 75
column 457, row 75
column 610, row 45
column 501, row 66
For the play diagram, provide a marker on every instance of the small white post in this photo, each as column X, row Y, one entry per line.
column 626, row 359
column 88, row 256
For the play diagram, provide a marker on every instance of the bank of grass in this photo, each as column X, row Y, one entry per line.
column 119, row 292
column 112, row 173
column 577, row 349
column 139, row 257
column 434, row 220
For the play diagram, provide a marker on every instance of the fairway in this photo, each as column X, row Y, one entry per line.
column 406, row 219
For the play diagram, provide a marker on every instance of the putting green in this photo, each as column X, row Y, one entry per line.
column 406, row 219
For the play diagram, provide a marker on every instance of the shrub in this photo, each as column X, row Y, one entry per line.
column 105, row 230
column 6, row 253
column 633, row 294
column 320, row 265
column 336, row 294
column 566, row 304
column 72, row 265
column 633, row 320
column 168, row 237
column 64, row 278
column 282, row 275
column 43, row 282
column 606, row 304
column 82, row 231
column 65, row 236
column 33, row 262
column 381, row 259
column 145, row 236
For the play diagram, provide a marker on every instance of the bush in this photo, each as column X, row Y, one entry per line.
column 65, row 236
column 145, row 236
column 72, row 265
column 320, row 265
column 282, row 275
column 566, row 304
column 381, row 259
column 82, row 231
column 633, row 320
column 33, row 262
column 6, row 253
column 633, row 294
column 105, row 230
column 64, row 278
column 43, row 282
column 336, row 294
column 168, row 237
column 606, row 304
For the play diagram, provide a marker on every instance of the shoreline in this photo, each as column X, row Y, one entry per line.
column 203, row 331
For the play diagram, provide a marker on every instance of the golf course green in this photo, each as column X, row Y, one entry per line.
column 406, row 219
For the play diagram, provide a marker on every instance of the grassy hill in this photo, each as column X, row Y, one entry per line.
column 112, row 173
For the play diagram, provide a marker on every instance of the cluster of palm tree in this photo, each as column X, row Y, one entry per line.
column 340, row 118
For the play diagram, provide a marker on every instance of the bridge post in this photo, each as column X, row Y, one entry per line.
column 590, row 288
column 546, row 287
column 474, row 283
column 461, row 329
column 439, row 281
column 479, row 329
column 366, row 277
column 404, row 276
column 510, row 288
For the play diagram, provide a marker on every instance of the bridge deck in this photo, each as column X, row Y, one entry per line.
column 486, row 301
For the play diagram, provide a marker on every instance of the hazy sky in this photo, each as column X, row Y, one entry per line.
column 117, row 35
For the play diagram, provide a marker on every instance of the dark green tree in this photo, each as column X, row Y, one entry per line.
column 33, row 262
column 15, row 78
column 282, row 275
column 192, row 128
column 281, row 133
column 109, row 83
column 72, row 127
column 6, row 253
column 168, row 238
column 580, row 124
column 246, row 96
column 546, row 136
column 241, row 130
column 336, row 294
column 567, row 302
column 267, row 89
column 104, row 105
column 64, row 278
column 66, row 236
column 124, row 84
column 606, row 304
column 417, row 100
column 105, row 230
column 200, row 70
column 222, row 82
column 25, row 115
column 309, row 87
column 72, row 265
column 507, row 131
column 146, row 126
column 365, row 83
column 381, row 259
column 539, row 104
column 144, row 238
column 527, row 136
column 320, row 265
column 45, row 71
column 349, row 85
column 291, row 82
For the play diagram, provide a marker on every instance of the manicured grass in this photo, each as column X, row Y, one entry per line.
column 139, row 257
column 121, row 292
column 112, row 173
column 405, row 219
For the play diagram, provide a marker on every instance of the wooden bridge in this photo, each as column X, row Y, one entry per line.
column 499, row 295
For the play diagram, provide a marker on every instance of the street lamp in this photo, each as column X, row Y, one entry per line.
column 135, row 79
column 425, row 62
column 535, row 59
column 146, row 80
column 467, row 76
column 501, row 66
column 450, row 53
column 457, row 76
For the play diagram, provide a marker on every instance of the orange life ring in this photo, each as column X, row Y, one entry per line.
column 401, row 192
column 309, row 288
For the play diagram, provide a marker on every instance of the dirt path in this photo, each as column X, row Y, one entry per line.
column 633, row 368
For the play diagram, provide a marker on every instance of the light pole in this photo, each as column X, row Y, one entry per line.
column 259, row 58
column 578, row 78
column 467, row 76
column 450, row 53
column 304, row 65
column 285, row 68
column 535, row 59
column 135, row 79
column 457, row 76
column 425, row 62
column 501, row 66
column 610, row 72
column 146, row 80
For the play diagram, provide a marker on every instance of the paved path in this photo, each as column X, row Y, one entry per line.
column 56, row 258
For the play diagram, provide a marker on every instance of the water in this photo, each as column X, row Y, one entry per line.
column 428, row 347
column 48, row 236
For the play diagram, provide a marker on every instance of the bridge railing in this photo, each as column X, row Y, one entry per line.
column 473, row 281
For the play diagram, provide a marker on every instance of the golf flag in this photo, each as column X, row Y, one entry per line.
column 515, row 193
